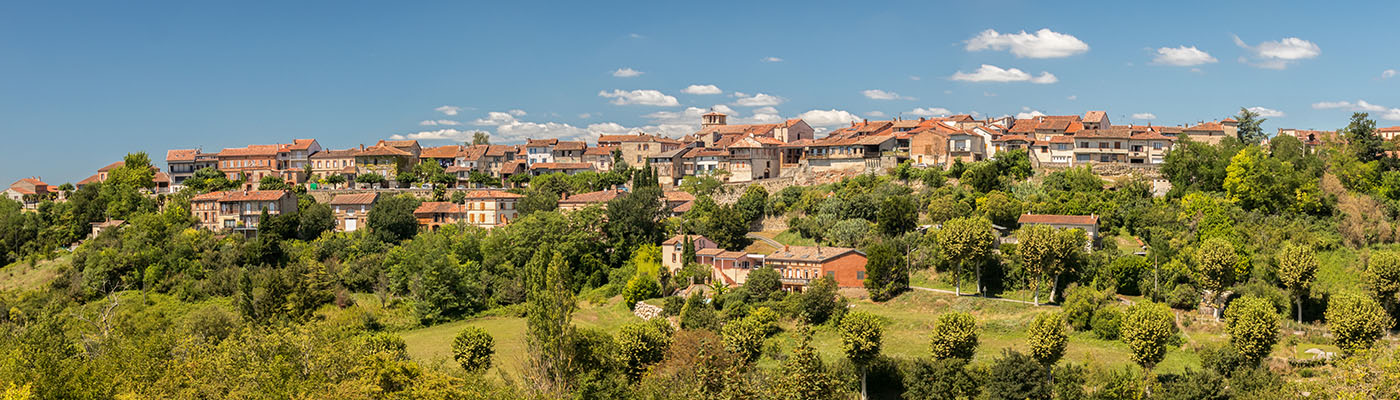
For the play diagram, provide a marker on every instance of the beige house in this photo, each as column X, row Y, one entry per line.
column 334, row 162
column 753, row 158
column 490, row 208
column 352, row 210
column 583, row 200
column 240, row 211
column 636, row 148
column 1087, row 223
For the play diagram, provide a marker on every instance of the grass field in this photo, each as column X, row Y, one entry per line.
column 21, row 275
column 908, row 320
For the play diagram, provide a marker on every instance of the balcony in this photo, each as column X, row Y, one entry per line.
column 794, row 281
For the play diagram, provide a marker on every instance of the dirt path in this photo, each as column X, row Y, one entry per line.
column 988, row 298
column 765, row 239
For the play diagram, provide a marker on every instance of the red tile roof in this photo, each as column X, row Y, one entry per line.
column 809, row 253
column 355, row 199
column 678, row 239
column 599, row 151
column 378, row 151
column 1095, row 116
column 350, row 153
column 254, row 195
column 540, row 142
column 90, row 179
column 677, row 195
column 438, row 207
column 112, row 166
column 265, row 150
column 601, row 196
column 492, row 194
column 181, row 155
column 300, row 144
column 561, row 166
column 211, row 196
column 1053, row 219
column 449, row 151
column 570, row 146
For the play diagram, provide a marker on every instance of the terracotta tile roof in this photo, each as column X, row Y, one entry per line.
column 709, row 252
column 809, row 253
column 670, row 153
column 90, row 179
column 492, row 194
column 677, row 196
column 457, row 168
column 160, row 177
column 1061, row 139
column 254, row 195
column 1054, row 125
column 512, row 167
column 266, row 150
column 355, row 199
column 1095, row 116
column 733, row 255
column 705, row 152
column 211, row 196
column 1389, row 129
column 570, row 146
column 561, row 166
column 1053, row 219
column 301, row 144
column 397, row 143
column 541, row 142
column 496, row 150
column 474, row 152
column 599, row 151
column 448, row 151
column 678, row 239
column 377, row 151
column 335, row 154
column 640, row 137
column 438, row 207
column 601, row 196
column 1229, row 120
column 349, row 169
column 112, row 166
column 1013, row 138
column 683, row 207
column 181, row 155
column 1207, row 127
column 21, row 190
column 1023, row 126
column 30, row 181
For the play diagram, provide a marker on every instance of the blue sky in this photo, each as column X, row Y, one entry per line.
column 82, row 83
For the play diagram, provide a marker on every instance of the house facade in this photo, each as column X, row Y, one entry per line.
column 799, row 266
column 490, row 208
column 673, row 250
column 352, row 210
column 432, row 215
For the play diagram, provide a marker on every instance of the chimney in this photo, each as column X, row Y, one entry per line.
column 865, row 121
column 786, row 248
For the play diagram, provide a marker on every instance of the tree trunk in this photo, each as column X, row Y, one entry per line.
column 1035, row 291
column 1054, row 286
column 957, row 280
column 1298, row 300
column 979, row 282
column 863, row 394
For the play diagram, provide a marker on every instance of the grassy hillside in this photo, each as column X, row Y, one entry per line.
column 22, row 276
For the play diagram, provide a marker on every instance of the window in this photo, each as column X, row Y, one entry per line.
column 1156, row 145
column 831, row 274
column 860, row 275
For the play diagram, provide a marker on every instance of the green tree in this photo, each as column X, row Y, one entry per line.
column 1047, row 337
column 642, row 286
column 982, row 176
column 473, row 348
column 954, row 336
column 886, row 275
column 1252, row 323
column 1046, row 250
column 335, row 180
column 1250, row 130
column 965, row 241
column 537, row 200
column 860, row 340
column 752, row 205
column 124, row 185
column 549, row 332
column 818, row 302
column 1147, row 329
column 802, row 376
column 1361, row 138
column 727, row 228
column 1000, row 208
column 697, row 314
column 1257, row 181
column 849, row 232
column 370, row 178
column 1015, row 376
column 481, row 138
column 1356, row 321
column 1193, row 165
column 744, row 337
column 763, row 284
column 1382, row 276
column 440, row 285
column 392, row 218
column 898, row 214
column 1297, row 267
column 641, row 344
column 1215, row 267
column 314, row 220
column 273, row 182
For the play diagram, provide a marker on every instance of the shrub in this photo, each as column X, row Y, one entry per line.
column 672, row 305
column 1184, row 297
column 1106, row 323
column 473, row 349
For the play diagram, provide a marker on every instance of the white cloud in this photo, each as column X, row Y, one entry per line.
column 640, row 97
column 877, row 94
column 1391, row 114
column 517, row 112
column 772, row 59
column 876, row 114
column 1359, row 105
column 992, row 73
column 1072, row 97
column 1267, row 112
column 1029, row 114
column 757, row 100
column 440, row 134
column 436, row 122
column 1278, row 54
column 1144, row 116
column 762, row 115
column 635, row 35
column 915, row 78
column 1043, row 43
column 585, row 115
column 929, row 112
column 495, row 118
column 626, row 73
column 1387, row 74
column 702, row 89
column 1182, row 56
column 448, row 110
column 690, row 116
column 827, row 118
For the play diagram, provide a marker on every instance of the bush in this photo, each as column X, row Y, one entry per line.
column 1080, row 304
column 941, row 379
column 1106, row 322
column 1017, row 376
column 473, row 349
column 1184, row 297
column 672, row 306
column 698, row 315
column 641, row 287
